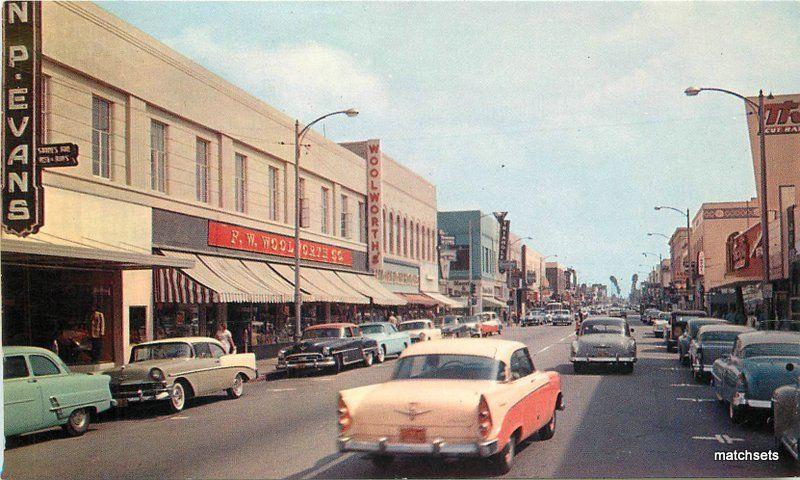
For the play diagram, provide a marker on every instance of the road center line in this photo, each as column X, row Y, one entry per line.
column 281, row 389
column 316, row 471
column 684, row 385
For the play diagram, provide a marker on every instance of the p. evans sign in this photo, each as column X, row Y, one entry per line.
column 23, row 157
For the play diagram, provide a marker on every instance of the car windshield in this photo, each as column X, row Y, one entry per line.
column 473, row 319
column 561, row 312
column 322, row 333
column 160, row 351
column 448, row 320
column 772, row 350
column 719, row 336
column 366, row 329
column 602, row 327
column 448, row 367
column 695, row 326
column 411, row 326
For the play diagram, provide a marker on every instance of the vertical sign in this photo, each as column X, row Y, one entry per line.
column 374, row 206
column 505, row 227
column 22, row 186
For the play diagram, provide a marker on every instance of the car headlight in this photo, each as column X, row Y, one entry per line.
column 326, row 351
column 282, row 353
column 156, row 374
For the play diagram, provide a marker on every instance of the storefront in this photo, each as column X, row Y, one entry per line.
column 245, row 277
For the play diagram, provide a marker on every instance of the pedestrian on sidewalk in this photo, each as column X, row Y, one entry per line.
column 225, row 337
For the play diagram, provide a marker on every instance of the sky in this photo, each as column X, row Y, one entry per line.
column 570, row 116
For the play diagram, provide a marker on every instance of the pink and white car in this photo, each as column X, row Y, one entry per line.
column 452, row 398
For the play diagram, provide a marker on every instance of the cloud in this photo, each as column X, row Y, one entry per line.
column 302, row 79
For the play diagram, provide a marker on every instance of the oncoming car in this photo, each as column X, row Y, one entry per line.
column 420, row 330
column 495, row 399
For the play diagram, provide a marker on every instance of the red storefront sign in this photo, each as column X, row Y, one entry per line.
column 234, row 237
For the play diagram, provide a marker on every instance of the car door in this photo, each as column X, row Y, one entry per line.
column 222, row 377
column 730, row 373
column 528, row 388
column 56, row 389
column 205, row 369
column 22, row 402
column 353, row 346
column 394, row 342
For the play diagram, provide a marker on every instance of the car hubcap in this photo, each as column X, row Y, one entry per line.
column 381, row 355
column 177, row 396
column 237, row 385
column 509, row 456
column 79, row 419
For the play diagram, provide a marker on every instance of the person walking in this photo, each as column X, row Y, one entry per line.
column 224, row 336
column 97, row 330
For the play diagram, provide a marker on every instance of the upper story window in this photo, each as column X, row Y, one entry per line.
column 398, row 235
column 304, row 220
column 272, row 194
column 325, row 209
column 391, row 232
column 344, row 225
column 405, row 237
column 362, row 223
column 44, row 102
column 201, row 170
column 158, row 156
column 240, row 182
column 411, row 239
column 101, row 137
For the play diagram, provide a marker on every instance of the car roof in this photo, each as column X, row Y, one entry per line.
column 417, row 320
column 707, row 320
column 604, row 319
column 724, row 328
column 22, row 350
column 482, row 347
column 769, row 337
column 374, row 323
column 180, row 339
column 690, row 313
column 331, row 325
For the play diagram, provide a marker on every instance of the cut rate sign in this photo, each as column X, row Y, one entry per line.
column 23, row 157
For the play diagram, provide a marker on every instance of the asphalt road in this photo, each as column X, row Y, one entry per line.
column 656, row 422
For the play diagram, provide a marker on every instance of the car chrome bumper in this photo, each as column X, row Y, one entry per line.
column 122, row 399
column 322, row 363
column 436, row 448
column 603, row 359
column 739, row 401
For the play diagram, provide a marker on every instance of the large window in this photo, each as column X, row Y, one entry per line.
column 158, row 156
column 201, row 170
column 391, row 232
column 272, row 197
column 344, row 226
column 240, row 183
column 362, row 223
column 383, row 226
column 44, row 117
column 325, row 209
column 101, row 137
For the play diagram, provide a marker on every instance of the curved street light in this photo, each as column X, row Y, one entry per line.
column 298, row 139
column 759, row 110
column 690, row 276
column 650, row 234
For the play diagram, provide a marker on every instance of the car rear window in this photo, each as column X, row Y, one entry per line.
column 719, row 337
column 772, row 350
column 449, row 367
column 14, row 367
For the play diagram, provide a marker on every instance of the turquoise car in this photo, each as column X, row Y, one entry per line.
column 390, row 340
column 756, row 367
column 40, row 392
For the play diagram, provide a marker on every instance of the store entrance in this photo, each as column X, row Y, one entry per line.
column 68, row 311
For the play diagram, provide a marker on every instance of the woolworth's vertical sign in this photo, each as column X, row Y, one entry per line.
column 22, row 187
column 374, row 206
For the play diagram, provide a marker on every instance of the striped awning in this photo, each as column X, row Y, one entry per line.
column 446, row 301
column 419, row 299
column 369, row 286
column 171, row 285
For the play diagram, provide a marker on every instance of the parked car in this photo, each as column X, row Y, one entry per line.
column 605, row 340
column 490, row 324
column 756, row 367
column 328, row 346
column 176, row 370
column 712, row 342
column 40, row 392
column 677, row 324
column 786, row 414
column 562, row 317
column 495, row 399
column 420, row 330
column 690, row 333
column 391, row 342
column 661, row 325
column 452, row 326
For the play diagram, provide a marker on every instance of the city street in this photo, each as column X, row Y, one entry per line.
column 656, row 422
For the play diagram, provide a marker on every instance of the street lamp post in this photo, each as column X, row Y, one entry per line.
column 690, row 276
column 298, row 139
column 759, row 109
column 650, row 234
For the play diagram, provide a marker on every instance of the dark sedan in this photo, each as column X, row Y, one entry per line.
column 329, row 346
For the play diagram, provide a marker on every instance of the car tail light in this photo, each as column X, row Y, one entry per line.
column 742, row 387
column 484, row 417
column 344, row 415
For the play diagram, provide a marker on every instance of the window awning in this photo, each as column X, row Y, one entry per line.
column 211, row 280
column 419, row 299
column 447, row 302
column 492, row 302
column 321, row 285
column 369, row 286
column 38, row 253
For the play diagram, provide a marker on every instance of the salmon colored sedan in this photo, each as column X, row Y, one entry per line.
column 452, row 398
